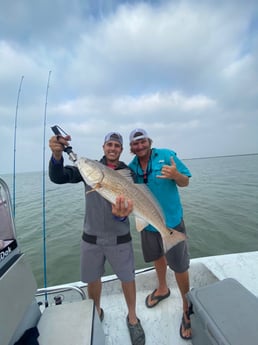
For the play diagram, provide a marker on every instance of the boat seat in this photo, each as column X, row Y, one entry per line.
column 17, row 289
column 69, row 323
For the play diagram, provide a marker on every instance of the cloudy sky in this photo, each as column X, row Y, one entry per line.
column 186, row 71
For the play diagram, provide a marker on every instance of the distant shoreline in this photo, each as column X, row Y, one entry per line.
column 235, row 155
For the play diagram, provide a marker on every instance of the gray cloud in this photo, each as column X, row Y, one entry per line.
column 184, row 70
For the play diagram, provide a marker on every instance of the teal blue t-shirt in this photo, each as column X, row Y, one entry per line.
column 165, row 191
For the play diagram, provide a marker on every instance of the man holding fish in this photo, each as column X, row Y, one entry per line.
column 163, row 172
column 106, row 234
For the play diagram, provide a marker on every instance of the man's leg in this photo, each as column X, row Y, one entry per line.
column 136, row 331
column 94, row 292
column 161, row 271
column 129, row 290
column 183, row 285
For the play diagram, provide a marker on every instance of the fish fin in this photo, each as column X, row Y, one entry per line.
column 140, row 224
column 150, row 196
column 95, row 189
column 90, row 191
column 172, row 238
column 126, row 173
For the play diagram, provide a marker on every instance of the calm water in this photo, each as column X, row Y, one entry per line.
column 220, row 212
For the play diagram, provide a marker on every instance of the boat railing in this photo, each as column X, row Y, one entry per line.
column 60, row 289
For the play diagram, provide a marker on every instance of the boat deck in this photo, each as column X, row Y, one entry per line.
column 161, row 323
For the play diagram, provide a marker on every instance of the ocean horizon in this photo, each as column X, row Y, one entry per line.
column 220, row 212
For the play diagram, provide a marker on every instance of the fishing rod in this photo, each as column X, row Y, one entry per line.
column 14, row 146
column 44, row 194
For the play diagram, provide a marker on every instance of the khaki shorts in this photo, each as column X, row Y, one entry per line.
column 178, row 257
column 119, row 256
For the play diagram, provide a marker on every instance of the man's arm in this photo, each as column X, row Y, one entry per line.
column 171, row 172
column 57, row 172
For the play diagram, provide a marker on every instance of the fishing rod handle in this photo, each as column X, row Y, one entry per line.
column 68, row 149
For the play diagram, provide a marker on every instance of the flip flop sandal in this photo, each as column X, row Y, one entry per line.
column 186, row 325
column 157, row 298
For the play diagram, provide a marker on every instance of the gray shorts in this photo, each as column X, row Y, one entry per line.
column 119, row 256
column 178, row 257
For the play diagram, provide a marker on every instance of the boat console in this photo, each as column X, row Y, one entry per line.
column 20, row 315
column 8, row 244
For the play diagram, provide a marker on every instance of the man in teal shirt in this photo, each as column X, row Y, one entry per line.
column 163, row 172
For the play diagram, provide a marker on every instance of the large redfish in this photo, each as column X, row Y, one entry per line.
column 111, row 183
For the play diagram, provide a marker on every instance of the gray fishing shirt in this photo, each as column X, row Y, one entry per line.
column 98, row 220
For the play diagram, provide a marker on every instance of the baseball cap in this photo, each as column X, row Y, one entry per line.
column 114, row 136
column 138, row 134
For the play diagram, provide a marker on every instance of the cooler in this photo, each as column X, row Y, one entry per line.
column 224, row 313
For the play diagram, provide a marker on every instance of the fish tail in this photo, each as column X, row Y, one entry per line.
column 172, row 238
